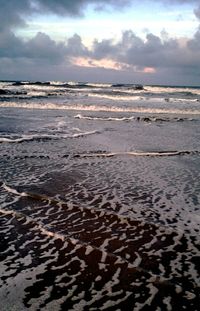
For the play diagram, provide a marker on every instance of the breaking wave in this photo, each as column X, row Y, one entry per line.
column 135, row 118
column 85, row 107
column 43, row 137
column 163, row 153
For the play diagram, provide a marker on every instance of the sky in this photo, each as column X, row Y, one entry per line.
column 111, row 41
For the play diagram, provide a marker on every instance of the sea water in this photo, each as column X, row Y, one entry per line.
column 99, row 196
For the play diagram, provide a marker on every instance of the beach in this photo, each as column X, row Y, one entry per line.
column 99, row 196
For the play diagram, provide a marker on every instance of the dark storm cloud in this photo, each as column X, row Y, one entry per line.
column 197, row 12
column 10, row 45
column 13, row 13
column 76, row 7
column 104, row 48
column 133, row 52
column 175, row 58
column 44, row 58
column 75, row 47
column 41, row 47
column 194, row 43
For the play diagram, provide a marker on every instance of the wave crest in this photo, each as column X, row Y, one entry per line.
column 43, row 137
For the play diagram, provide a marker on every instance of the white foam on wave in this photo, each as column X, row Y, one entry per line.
column 14, row 191
column 36, row 93
column 38, row 225
column 45, row 136
column 141, row 153
column 83, row 134
column 131, row 118
column 57, row 83
column 79, row 116
column 15, row 140
column 73, row 83
column 82, row 107
column 164, row 89
column 99, row 85
column 114, row 97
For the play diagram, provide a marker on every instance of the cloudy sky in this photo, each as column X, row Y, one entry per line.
column 125, row 41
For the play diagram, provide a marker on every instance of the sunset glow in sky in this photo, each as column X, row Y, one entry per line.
column 130, row 41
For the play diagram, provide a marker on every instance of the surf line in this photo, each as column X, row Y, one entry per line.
column 32, row 195
column 13, row 191
column 138, row 154
column 63, row 204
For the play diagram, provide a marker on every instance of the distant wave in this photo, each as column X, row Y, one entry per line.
column 100, row 85
column 184, row 91
column 43, row 137
column 37, row 94
column 130, row 96
column 117, row 96
column 87, row 84
column 79, row 116
column 6, row 92
column 71, row 84
column 85, row 107
column 154, row 89
column 138, row 118
column 103, row 93
column 105, row 154
column 18, row 83
column 139, row 153
column 133, row 86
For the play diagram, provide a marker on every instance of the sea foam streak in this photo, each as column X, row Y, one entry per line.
column 79, row 116
column 131, row 118
column 103, row 108
column 32, row 137
column 12, row 190
column 141, row 153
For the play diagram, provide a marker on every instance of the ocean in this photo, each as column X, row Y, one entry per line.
column 99, row 196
